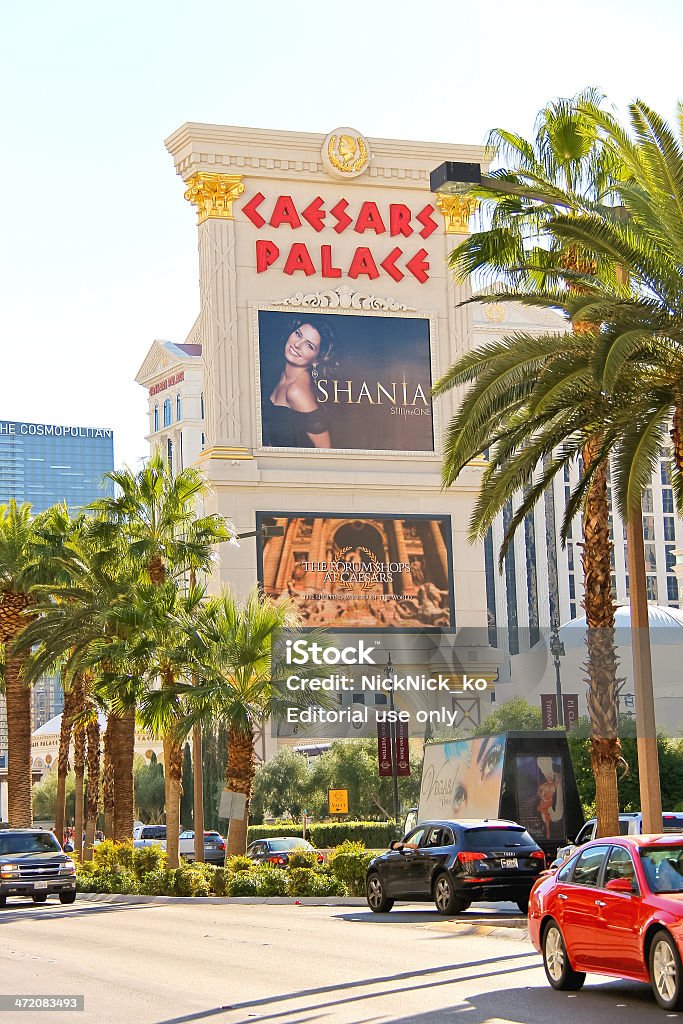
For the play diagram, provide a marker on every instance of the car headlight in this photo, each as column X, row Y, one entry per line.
column 9, row 870
column 67, row 868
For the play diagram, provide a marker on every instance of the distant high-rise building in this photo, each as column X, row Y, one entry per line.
column 43, row 463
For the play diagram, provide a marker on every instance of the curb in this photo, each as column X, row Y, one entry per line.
column 281, row 901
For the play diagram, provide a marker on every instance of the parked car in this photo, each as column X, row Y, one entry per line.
column 32, row 863
column 149, row 835
column 214, row 847
column 630, row 824
column 277, row 850
column 615, row 908
column 455, row 863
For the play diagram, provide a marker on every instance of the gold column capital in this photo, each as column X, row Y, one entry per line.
column 213, row 194
column 457, row 211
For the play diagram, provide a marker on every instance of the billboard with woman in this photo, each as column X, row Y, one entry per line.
column 345, row 381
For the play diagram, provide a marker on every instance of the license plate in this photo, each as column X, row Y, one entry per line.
column 40, row 885
column 508, row 862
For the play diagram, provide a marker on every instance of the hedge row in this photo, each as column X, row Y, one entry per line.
column 373, row 834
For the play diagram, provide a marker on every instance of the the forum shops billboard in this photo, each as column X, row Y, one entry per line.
column 361, row 572
column 345, row 381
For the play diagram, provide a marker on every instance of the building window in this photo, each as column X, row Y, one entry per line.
column 178, row 408
column 647, row 500
column 667, row 499
column 203, row 440
column 156, row 417
column 665, row 473
column 650, row 557
column 648, row 527
column 167, row 412
column 201, row 402
column 651, row 586
column 672, row 588
column 169, row 453
column 669, row 528
column 670, row 557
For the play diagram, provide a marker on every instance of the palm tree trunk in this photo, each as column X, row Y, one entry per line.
column 123, row 747
column 63, row 761
column 601, row 666
column 173, row 765
column 93, row 737
column 108, row 778
column 198, row 802
column 79, row 771
column 239, row 773
column 19, row 777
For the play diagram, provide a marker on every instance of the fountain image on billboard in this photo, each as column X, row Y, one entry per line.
column 361, row 572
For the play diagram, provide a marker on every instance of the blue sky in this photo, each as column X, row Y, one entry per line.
column 98, row 252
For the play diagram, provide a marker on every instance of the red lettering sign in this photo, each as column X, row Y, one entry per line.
column 299, row 260
column 168, row 383
column 266, row 254
column 284, row 212
column 363, row 263
column 369, row 217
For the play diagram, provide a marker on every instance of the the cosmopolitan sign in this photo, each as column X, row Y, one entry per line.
column 389, row 232
column 17, row 429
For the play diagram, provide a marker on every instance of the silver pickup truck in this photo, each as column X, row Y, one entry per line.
column 630, row 824
column 149, row 835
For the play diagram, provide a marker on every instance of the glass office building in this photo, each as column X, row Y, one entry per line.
column 43, row 463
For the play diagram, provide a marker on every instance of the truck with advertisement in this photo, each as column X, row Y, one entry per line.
column 526, row 777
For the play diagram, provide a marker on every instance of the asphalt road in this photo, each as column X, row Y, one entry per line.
column 205, row 962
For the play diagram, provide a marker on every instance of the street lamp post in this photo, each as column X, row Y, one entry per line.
column 392, row 738
column 557, row 651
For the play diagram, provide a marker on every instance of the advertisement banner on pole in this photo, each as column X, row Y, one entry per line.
column 384, row 759
column 402, row 749
column 570, row 707
column 549, row 710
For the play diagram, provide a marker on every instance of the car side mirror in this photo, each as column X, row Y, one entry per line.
column 620, row 885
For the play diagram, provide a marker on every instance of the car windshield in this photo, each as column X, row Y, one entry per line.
column 663, row 866
column 496, row 838
column 672, row 822
column 31, row 842
column 280, row 845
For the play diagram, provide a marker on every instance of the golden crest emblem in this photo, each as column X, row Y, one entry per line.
column 345, row 153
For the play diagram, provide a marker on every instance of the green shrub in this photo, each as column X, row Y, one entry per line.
column 242, row 883
column 106, row 880
column 158, row 883
column 220, row 881
column 271, row 882
column 148, row 859
column 111, row 856
column 305, row 882
column 239, row 862
column 300, row 857
column 349, row 863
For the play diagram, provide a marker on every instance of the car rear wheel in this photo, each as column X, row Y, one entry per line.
column 40, row 898
column 378, row 901
column 3, row 901
column 523, row 905
column 666, row 974
column 67, row 897
column 445, row 898
column 558, row 970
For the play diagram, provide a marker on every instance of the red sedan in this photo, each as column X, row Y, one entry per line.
column 616, row 908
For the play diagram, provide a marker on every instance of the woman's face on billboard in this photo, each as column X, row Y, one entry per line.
column 302, row 346
column 477, row 786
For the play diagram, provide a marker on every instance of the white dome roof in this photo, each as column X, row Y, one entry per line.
column 54, row 725
column 666, row 628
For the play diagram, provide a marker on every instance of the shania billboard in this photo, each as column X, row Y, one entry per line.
column 360, row 572
column 345, row 381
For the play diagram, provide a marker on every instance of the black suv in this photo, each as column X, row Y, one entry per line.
column 32, row 863
column 455, row 863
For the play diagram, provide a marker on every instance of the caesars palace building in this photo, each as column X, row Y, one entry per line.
column 303, row 392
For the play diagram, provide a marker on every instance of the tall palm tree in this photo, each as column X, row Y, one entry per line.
column 155, row 513
column 19, row 573
column 564, row 166
column 240, row 682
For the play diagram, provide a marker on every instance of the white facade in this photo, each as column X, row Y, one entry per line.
column 174, row 379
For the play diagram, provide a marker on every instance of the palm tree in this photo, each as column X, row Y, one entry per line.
column 154, row 513
column 19, row 572
column 239, row 682
column 565, row 165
